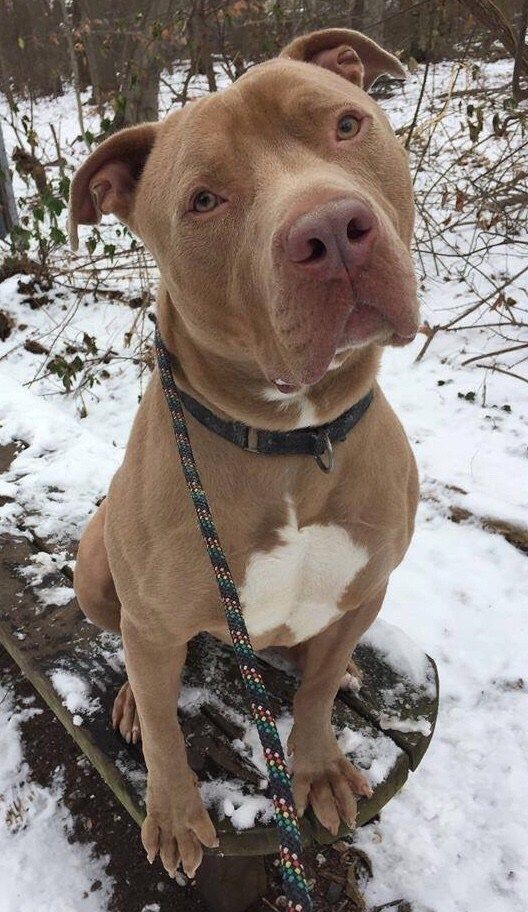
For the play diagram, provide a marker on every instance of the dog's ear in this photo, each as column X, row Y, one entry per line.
column 107, row 180
column 347, row 53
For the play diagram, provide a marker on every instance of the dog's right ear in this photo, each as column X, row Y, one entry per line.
column 350, row 54
column 107, row 180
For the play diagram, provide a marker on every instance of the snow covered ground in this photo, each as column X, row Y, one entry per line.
column 456, row 838
column 41, row 870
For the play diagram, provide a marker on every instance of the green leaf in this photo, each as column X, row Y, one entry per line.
column 57, row 236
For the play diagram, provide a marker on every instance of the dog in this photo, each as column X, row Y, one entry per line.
column 280, row 214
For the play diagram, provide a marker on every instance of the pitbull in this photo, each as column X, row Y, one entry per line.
column 280, row 214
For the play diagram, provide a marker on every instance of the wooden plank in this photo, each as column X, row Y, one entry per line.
column 386, row 694
column 25, row 635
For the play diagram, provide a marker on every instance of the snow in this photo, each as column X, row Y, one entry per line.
column 405, row 725
column 40, row 869
column 74, row 692
column 228, row 800
column 455, row 838
column 404, row 655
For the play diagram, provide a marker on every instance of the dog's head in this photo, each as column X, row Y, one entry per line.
column 279, row 211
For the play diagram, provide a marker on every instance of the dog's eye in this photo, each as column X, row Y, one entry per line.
column 205, row 201
column 348, row 126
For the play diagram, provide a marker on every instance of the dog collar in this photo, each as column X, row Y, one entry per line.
column 316, row 441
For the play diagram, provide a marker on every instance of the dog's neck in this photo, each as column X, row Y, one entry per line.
column 238, row 391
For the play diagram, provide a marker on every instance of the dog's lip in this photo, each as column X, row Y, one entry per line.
column 382, row 333
column 398, row 340
column 285, row 387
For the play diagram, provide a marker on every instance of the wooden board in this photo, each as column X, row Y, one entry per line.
column 51, row 641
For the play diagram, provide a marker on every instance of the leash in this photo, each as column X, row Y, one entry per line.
column 290, row 851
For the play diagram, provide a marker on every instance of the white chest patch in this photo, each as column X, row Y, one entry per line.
column 299, row 582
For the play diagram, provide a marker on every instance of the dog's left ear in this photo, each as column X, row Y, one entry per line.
column 347, row 53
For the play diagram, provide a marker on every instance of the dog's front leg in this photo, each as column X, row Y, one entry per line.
column 177, row 823
column 322, row 775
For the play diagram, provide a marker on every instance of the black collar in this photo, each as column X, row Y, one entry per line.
column 311, row 441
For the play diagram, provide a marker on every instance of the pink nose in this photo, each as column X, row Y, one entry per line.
column 336, row 236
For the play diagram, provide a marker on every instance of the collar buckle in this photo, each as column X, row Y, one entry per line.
column 252, row 440
column 327, row 463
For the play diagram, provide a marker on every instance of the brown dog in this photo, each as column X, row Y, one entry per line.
column 280, row 215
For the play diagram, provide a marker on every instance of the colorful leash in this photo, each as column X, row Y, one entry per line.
column 292, row 870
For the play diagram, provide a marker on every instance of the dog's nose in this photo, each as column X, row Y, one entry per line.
column 335, row 236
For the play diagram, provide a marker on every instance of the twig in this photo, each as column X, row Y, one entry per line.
column 502, row 370
column 417, row 108
column 485, row 300
column 500, row 351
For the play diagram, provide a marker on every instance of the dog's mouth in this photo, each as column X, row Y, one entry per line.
column 363, row 325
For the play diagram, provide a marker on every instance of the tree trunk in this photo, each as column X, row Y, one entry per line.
column 8, row 212
column 67, row 27
column 100, row 58
column 199, row 42
column 373, row 24
column 486, row 12
column 142, row 66
column 519, row 93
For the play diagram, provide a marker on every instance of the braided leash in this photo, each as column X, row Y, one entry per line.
column 292, row 870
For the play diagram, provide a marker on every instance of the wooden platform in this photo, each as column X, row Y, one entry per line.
column 77, row 669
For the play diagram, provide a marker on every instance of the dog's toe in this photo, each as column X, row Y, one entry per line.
column 125, row 716
column 352, row 678
column 330, row 785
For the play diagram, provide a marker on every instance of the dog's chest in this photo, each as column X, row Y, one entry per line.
column 298, row 583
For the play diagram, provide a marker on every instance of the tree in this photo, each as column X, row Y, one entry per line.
column 489, row 14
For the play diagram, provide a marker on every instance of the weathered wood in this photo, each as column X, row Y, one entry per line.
column 386, row 694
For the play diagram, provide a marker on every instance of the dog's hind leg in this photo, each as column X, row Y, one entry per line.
column 125, row 715
column 97, row 597
column 92, row 579
column 351, row 680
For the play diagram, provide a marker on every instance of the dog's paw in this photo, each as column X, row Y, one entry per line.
column 352, row 678
column 330, row 784
column 176, row 826
column 125, row 716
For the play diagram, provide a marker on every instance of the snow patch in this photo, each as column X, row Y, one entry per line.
column 75, row 693
column 400, row 652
